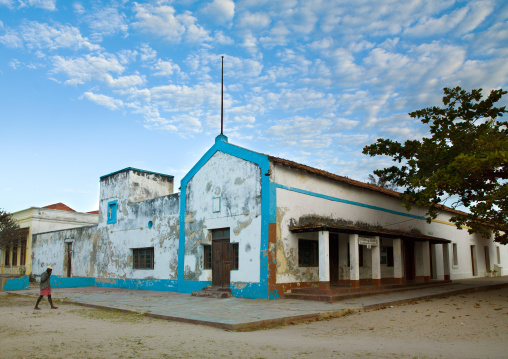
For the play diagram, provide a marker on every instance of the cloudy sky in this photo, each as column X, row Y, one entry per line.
column 91, row 87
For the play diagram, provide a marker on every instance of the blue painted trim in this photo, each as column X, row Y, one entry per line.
column 168, row 285
column 73, row 282
column 267, row 212
column 16, row 283
column 335, row 199
column 135, row 169
column 213, row 200
column 113, row 205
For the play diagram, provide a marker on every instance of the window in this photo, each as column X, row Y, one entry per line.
column 142, row 258
column 389, row 256
column 112, row 207
column 23, row 253
column 308, row 254
column 220, row 233
column 455, row 255
column 207, row 257
column 235, row 256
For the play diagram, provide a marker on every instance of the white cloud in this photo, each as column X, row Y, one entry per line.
column 37, row 35
column 42, row 4
column 220, row 11
column 253, row 21
column 165, row 68
column 163, row 22
column 11, row 39
column 103, row 100
column 106, row 21
column 82, row 69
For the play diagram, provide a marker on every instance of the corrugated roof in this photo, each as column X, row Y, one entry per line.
column 370, row 231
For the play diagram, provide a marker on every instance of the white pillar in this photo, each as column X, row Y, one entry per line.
column 354, row 261
column 343, row 256
column 426, row 260
column 446, row 261
column 324, row 256
column 398, row 267
column 376, row 263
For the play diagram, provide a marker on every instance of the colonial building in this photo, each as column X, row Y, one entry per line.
column 17, row 259
column 260, row 226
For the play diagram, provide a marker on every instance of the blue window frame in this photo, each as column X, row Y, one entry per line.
column 112, row 207
column 216, row 204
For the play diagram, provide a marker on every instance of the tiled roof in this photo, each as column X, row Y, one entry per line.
column 94, row 212
column 60, row 206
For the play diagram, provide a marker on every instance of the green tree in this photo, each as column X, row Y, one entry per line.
column 9, row 231
column 381, row 182
column 465, row 160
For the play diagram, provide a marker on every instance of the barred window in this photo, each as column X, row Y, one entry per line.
column 308, row 253
column 142, row 258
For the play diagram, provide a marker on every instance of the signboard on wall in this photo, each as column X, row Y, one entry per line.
column 368, row 241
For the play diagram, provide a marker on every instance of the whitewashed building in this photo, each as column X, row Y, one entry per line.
column 260, row 226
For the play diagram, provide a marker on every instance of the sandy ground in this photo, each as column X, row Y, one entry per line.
column 466, row 326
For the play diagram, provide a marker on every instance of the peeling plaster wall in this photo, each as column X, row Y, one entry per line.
column 293, row 206
column 106, row 250
column 145, row 185
column 238, row 185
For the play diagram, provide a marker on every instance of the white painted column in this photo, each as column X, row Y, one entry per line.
column 398, row 263
column 354, row 261
column 343, row 242
column 324, row 256
column 446, row 261
column 376, row 262
column 426, row 261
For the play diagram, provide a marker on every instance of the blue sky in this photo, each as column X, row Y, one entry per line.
column 91, row 87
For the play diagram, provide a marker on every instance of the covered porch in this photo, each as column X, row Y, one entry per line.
column 355, row 259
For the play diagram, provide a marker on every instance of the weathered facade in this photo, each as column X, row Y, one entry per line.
column 17, row 260
column 261, row 226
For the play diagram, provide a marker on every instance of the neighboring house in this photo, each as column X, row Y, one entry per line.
column 17, row 260
column 261, row 226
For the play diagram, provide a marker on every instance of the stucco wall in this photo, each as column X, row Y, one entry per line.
column 300, row 198
column 237, row 183
column 105, row 251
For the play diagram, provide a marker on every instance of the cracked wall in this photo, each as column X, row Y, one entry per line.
column 238, row 185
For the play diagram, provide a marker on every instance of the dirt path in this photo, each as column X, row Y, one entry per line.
column 466, row 326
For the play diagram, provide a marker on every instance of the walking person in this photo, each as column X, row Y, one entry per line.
column 45, row 288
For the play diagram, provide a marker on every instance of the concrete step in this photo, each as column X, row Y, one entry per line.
column 213, row 292
column 340, row 294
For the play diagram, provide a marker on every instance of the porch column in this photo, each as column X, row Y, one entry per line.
column 446, row 261
column 354, row 260
column 376, row 263
column 426, row 261
column 324, row 258
column 398, row 267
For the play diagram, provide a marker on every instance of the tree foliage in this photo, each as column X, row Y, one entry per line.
column 381, row 182
column 465, row 160
column 9, row 231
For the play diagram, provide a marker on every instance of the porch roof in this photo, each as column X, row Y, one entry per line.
column 369, row 231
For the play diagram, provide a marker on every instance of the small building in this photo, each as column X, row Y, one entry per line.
column 17, row 260
column 260, row 226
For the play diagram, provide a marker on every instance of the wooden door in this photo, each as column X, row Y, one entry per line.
column 221, row 263
column 334, row 258
column 69, row 259
column 487, row 258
